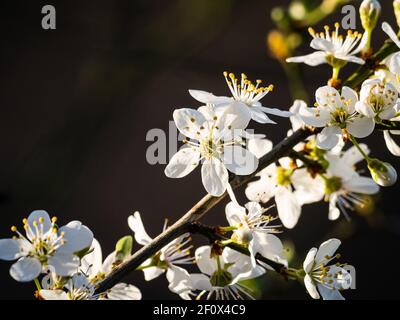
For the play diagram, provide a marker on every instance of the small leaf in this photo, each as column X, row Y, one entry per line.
column 123, row 248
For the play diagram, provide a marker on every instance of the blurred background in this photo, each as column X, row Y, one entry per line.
column 76, row 104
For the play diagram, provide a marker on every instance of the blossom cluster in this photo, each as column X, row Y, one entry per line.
column 66, row 262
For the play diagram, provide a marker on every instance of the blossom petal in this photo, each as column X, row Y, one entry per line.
column 207, row 97
column 260, row 191
column 239, row 160
column 53, row 295
column 390, row 32
column 352, row 156
column 234, row 213
column 235, row 115
column 91, row 264
column 123, row 291
column 388, row 113
column 314, row 59
column 136, row 225
column 64, row 264
column 214, row 176
column 329, row 294
column 276, row 112
column 9, row 249
column 77, row 237
column 259, row 147
column 362, row 185
column 206, row 264
column 351, row 98
column 361, row 127
column 270, row 247
column 188, row 121
column 26, row 269
column 259, row 116
column 328, row 248
column 328, row 96
column 328, row 138
column 322, row 45
column 152, row 273
column 307, row 189
column 288, row 207
column 182, row 163
column 309, row 260
column 179, row 280
column 34, row 217
column 391, row 144
column 364, row 109
column 311, row 288
column 200, row 282
column 315, row 117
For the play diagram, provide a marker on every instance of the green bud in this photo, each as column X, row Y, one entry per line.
column 123, row 248
column 396, row 7
column 383, row 173
column 370, row 10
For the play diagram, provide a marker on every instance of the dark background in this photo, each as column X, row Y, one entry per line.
column 76, row 104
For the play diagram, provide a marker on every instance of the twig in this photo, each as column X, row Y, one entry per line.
column 184, row 224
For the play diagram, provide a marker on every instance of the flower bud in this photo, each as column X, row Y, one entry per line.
column 370, row 10
column 383, row 173
column 396, row 6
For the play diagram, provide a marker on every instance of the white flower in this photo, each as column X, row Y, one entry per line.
column 323, row 279
column 248, row 96
column 378, row 100
column 45, row 247
column 335, row 112
column 290, row 187
column 331, row 47
column 82, row 284
column 167, row 259
column 344, row 187
column 253, row 229
column 221, row 275
column 392, row 61
column 217, row 141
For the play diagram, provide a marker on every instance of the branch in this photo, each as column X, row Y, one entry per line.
column 183, row 225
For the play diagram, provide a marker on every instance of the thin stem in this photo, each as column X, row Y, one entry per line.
column 37, row 283
column 335, row 73
column 355, row 143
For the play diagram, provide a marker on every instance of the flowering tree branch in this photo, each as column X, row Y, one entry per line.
column 184, row 224
column 284, row 148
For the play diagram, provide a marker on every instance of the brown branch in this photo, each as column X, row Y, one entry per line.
column 183, row 225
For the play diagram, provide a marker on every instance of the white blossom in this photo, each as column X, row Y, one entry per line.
column 45, row 247
column 221, row 275
column 344, row 187
column 254, row 229
column 246, row 94
column 322, row 279
column 332, row 46
column 335, row 112
column 217, row 142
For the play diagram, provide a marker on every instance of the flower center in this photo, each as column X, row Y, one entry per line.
column 283, row 176
column 332, row 185
column 221, row 278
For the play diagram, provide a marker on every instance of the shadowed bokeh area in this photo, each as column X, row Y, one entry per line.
column 76, row 104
